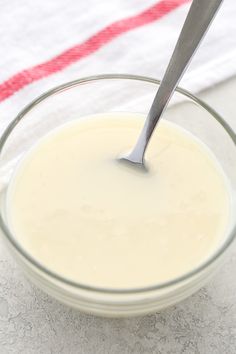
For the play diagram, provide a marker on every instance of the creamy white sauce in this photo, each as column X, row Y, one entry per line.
column 95, row 221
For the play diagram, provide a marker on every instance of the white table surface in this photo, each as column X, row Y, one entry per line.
column 205, row 323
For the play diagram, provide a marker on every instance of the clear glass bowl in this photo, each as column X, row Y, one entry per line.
column 113, row 93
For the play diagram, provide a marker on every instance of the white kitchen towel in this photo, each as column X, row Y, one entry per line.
column 46, row 43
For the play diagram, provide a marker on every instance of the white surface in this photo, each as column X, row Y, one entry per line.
column 31, row 322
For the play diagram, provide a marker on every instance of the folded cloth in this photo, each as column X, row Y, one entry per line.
column 47, row 43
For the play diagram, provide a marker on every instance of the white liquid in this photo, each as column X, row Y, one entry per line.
column 86, row 217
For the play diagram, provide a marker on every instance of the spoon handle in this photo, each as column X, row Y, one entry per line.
column 195, row 27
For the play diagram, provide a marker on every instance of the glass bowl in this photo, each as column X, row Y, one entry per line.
column 113, row 93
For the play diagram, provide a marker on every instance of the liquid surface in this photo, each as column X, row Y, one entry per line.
column 88, row 218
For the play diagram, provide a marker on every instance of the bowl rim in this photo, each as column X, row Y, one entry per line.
column 16, row 245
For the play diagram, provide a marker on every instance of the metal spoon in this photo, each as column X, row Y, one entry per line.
column 198, row 20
